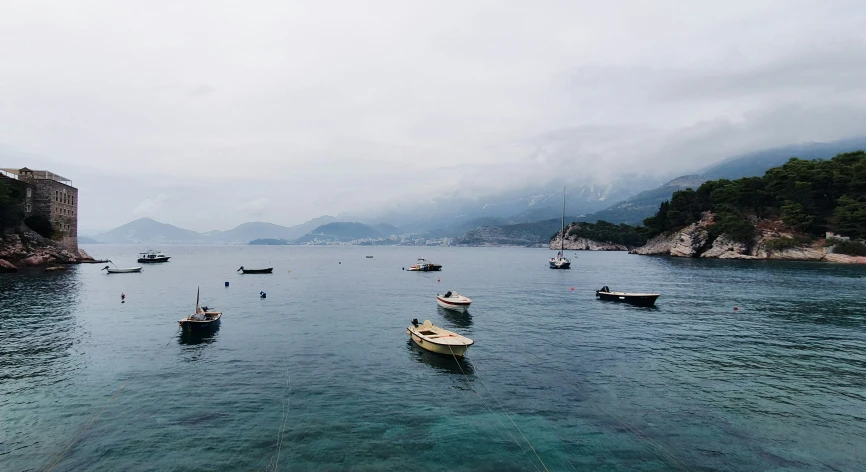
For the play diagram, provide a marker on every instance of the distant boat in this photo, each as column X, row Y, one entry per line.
column 369, row 257
column 119, row 270
column 560, row 262
column 438, row 340
column 255, row 271
column 453, row 301
column 424, row 266
column 640, row 299
column 152, row 256
column 201, row 319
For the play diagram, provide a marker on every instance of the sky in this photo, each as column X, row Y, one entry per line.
column 207, row 114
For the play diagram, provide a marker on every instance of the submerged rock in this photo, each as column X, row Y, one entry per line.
column 7, row 267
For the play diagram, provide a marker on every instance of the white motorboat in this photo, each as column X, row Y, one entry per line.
column 152, row 256
column 424, row 265
column 453, row 301
column 438, row 340
column 119, row 270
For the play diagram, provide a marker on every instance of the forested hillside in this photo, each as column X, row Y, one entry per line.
column 810, row 196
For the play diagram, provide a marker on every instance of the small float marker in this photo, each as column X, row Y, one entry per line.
column 572, row 289
column 263, row 295
column 227, row 284
column 735, row 308
column 122, row 297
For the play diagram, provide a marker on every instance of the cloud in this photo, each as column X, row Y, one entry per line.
column 254, row 207
column 150, row 206
column 410, row 101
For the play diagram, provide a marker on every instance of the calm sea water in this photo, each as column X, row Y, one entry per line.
column 320, row 375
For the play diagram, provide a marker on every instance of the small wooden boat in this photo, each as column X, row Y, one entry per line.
column 640, row 299
column 369, row 257
column 438, row 340
column 424, row 266
column 256, row 271
column 152, row 256
column 453, row 301
column 201, row 319
column 119, row 270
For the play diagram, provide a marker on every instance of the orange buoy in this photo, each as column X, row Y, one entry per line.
column 438, row 280
column 122, row 296
column 572, row 288
column 735, row 308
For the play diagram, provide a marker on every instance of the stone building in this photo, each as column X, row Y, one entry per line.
column 52, row 196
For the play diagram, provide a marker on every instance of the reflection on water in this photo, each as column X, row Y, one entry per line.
column 37, row 329
column 440, row 362
column 459, row 320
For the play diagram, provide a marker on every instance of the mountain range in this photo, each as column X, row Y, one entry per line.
column 515, row 215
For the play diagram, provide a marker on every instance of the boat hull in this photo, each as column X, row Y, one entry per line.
column 199, row 326
column 636, row 299
column 444, row 349
column 560, row 265
column 453, row 306
column 426, row 268
column 153, row 260
column 124, row 271
column 257, row 271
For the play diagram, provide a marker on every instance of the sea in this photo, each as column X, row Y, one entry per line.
column 741, row 366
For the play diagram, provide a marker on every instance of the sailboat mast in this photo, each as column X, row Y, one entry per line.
column 562, row 239
column 197, row 291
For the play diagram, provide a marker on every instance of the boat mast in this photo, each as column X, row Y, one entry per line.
column 197, row 291
column 562, row 238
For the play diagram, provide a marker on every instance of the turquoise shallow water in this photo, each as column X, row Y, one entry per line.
column 321, row 376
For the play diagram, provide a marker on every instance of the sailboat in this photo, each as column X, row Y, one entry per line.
column 560, row 262
column 201, row 319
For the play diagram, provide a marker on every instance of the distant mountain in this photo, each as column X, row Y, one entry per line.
column 536, row 234
column 754, row 164
column 246, row 232
column 634, row 210
column 342, row 231
column 149, row 231
column 86, row 240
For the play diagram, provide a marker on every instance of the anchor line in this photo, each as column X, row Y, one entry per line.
column 275, row 457
column 662, row 453
column 469, row 384
column 60, row 455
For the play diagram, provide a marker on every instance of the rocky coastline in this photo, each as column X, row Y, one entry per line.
column 21, row 247
column 584, row 244
column 695, row 240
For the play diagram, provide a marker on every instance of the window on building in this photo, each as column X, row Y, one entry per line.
column 29, row 192
column 28, row 206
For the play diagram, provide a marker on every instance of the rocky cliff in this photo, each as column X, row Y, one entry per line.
column 573, row 243
column 22, row 247
column 695, row 240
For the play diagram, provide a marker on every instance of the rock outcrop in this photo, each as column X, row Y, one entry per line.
column 695, row 241
column 25, row 248
column 583, row 244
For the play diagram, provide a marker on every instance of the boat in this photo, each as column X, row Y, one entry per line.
column 255, row 271
column 453, row 301
column 438, row 340
column 119, row 270
column 152, row 256
column 202, row 319
column 560, row 262
column 369, row 257
column 640, row 299
column 423, row 265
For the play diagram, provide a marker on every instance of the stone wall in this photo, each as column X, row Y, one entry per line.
column 58, row 202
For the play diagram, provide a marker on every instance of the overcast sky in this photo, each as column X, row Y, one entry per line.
column 207, row 114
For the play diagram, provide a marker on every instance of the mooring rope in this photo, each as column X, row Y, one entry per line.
column 84, row 428
column 62, row 453
column 494, row 414
column 286, row 406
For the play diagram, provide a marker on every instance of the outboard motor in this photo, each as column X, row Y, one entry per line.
column 448, row 294
column 415, row 322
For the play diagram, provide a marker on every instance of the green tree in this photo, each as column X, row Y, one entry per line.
column 795, row 216
column 850, row 217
